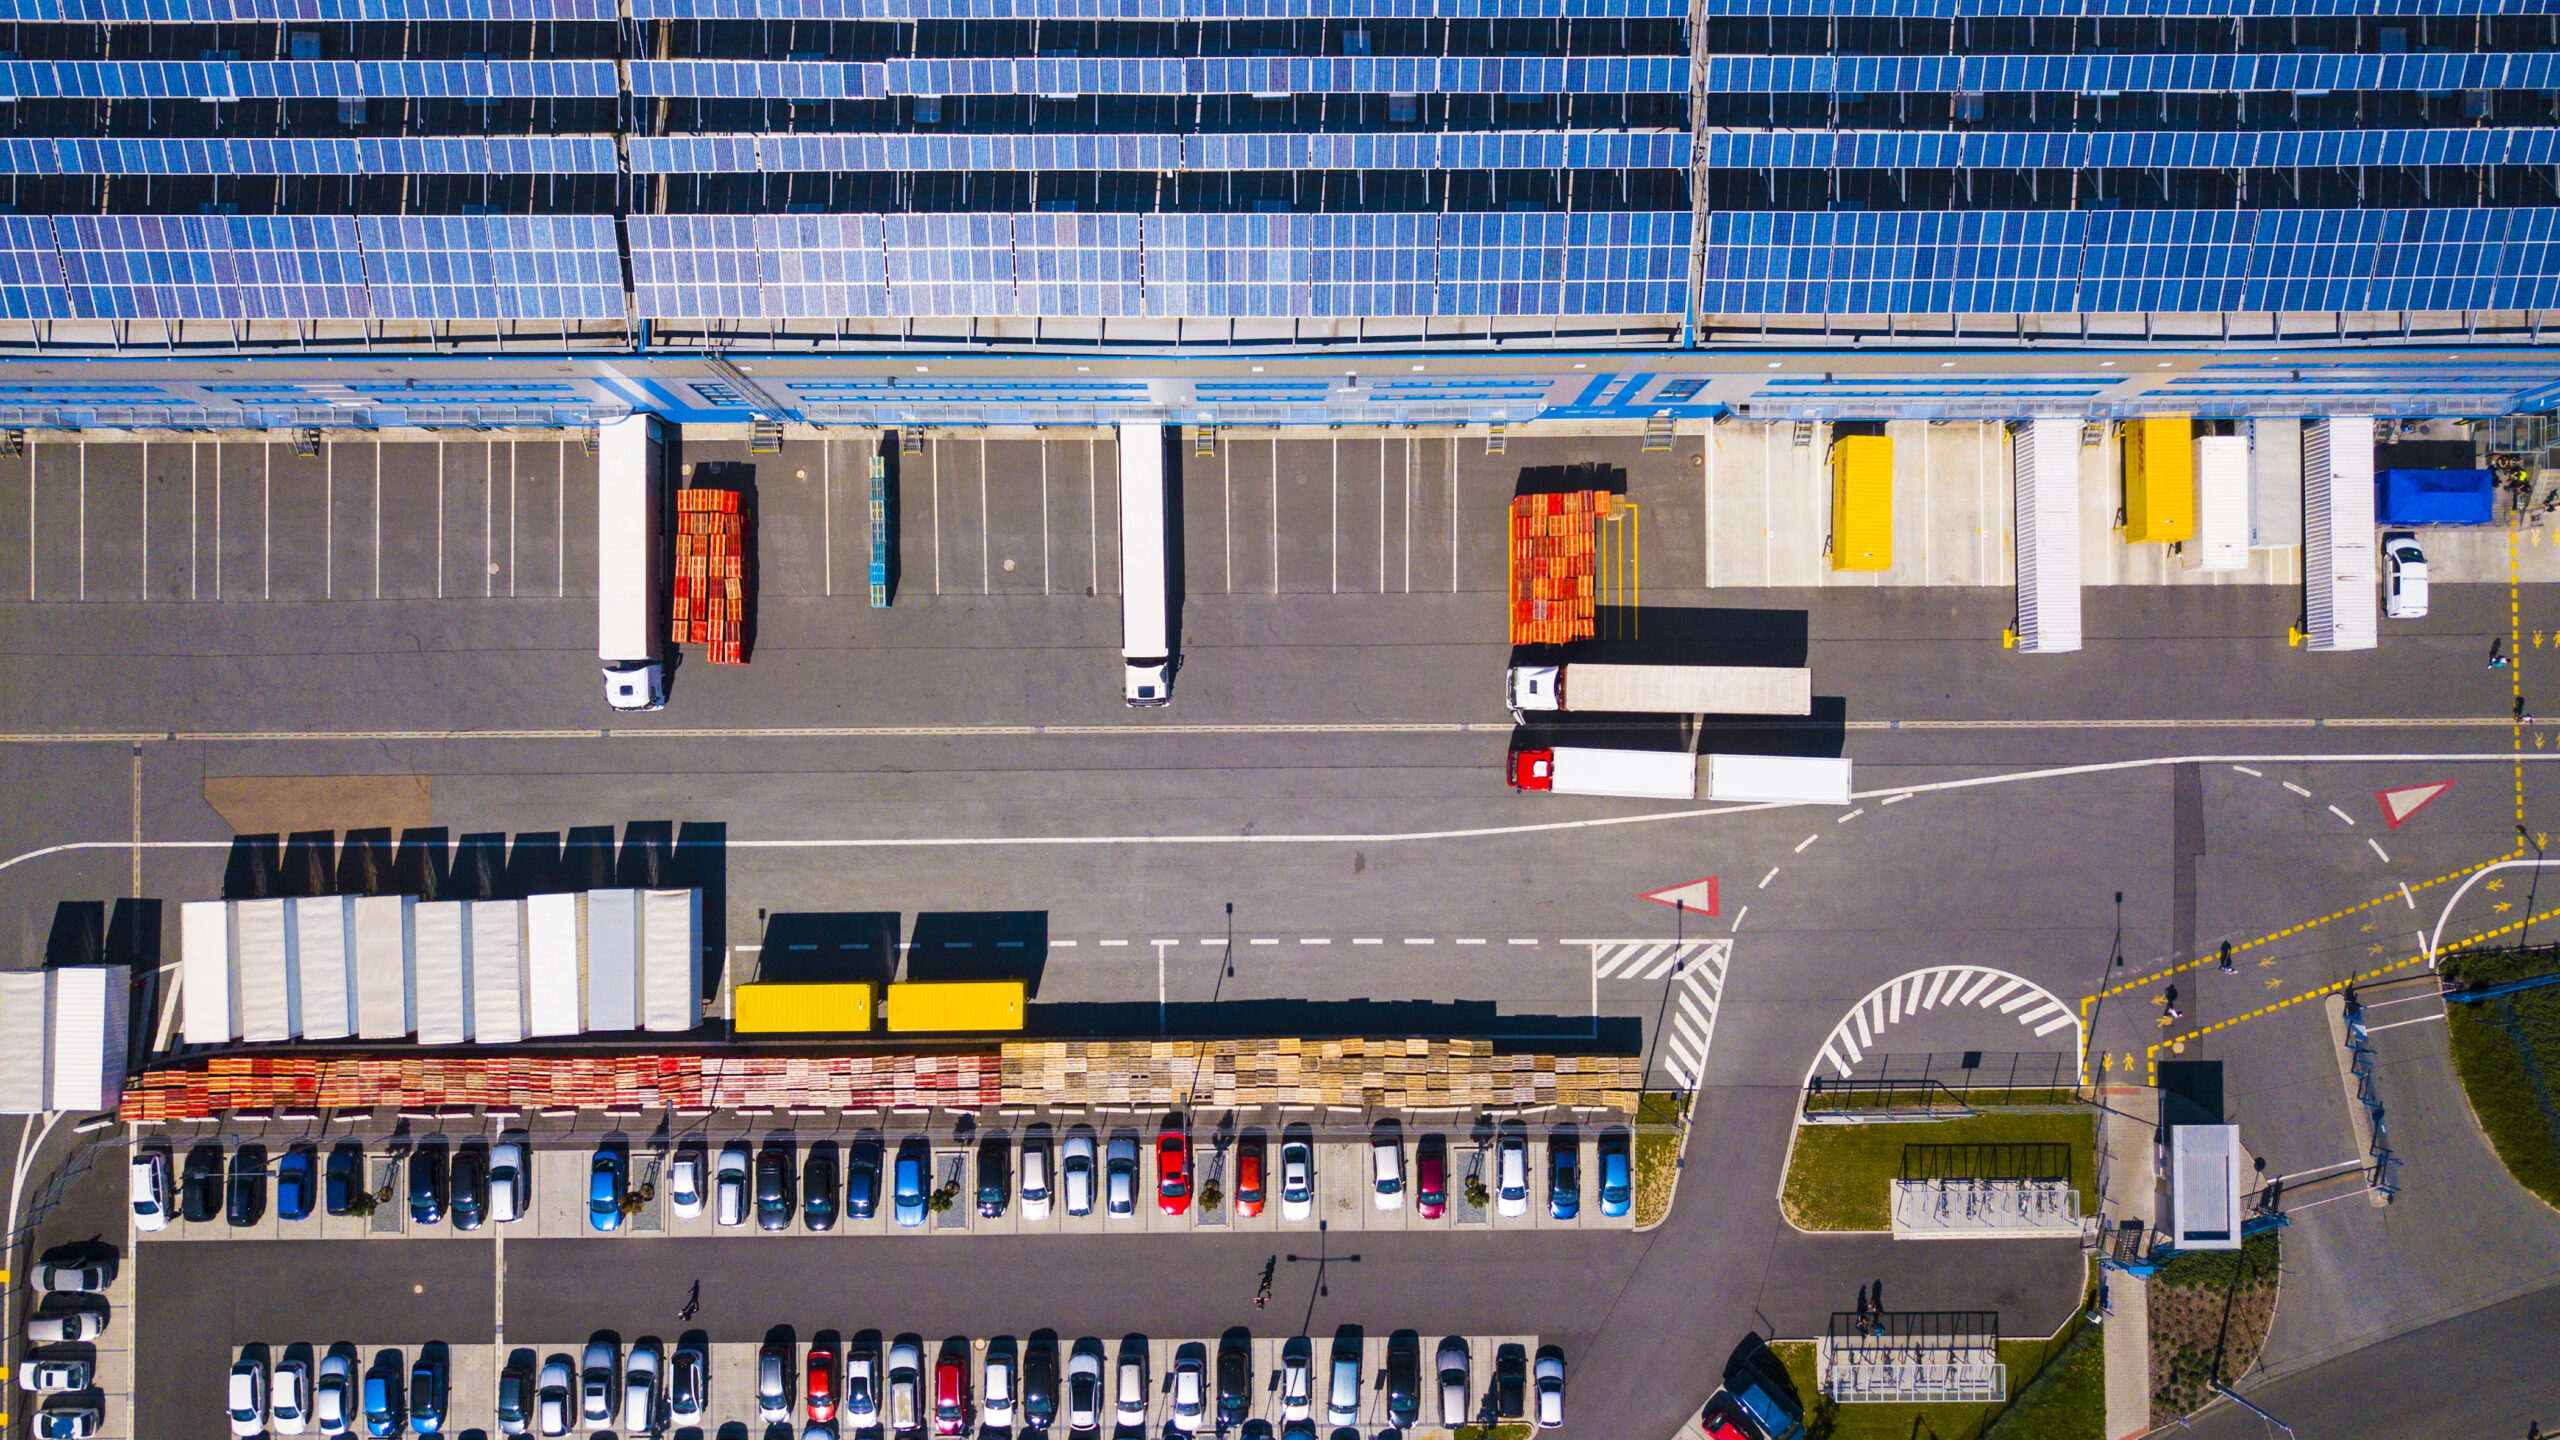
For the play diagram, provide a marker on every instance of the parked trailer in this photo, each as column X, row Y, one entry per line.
column 1862, row 503
column 630, row 568
column 1146, row 545
column 2338, row 601
column 1663, row 689
column 209, row 1009
column 1792, row 779
column 2159, row 479
column 955, row 1005
column 89, row 1003
column 769, row 1008
column 2046, row 465
column 1636, row 774
column 2221, row 540
column 26, row 1061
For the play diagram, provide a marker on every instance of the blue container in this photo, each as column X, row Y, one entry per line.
column 2434, row 497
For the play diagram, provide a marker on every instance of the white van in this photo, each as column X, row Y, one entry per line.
column 509, row 1183
column 2404, row 571
column 1511, row 1176
column 1035, row 1181
column 148, row 1184
column 1387, row 1163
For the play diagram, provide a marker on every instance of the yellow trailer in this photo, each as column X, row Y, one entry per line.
column 1862, row 502
column 956, row 1005
column 768, row 1009
column 2159, row 479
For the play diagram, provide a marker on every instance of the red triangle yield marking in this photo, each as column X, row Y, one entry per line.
column 1698, row 896
column 2408, row 800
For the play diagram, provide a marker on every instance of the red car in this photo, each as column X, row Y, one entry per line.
column 1720, row 1423
column 950, row 1410
column 822, row 1386
column 1249, row 1176
column 1173, row 1171
column 1431, row 1181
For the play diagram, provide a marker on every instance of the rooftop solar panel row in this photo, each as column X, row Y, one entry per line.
column 757, row 266
column 2129, row 149
column 357, row 155
column 1954, row 9
column 216, row 12
column 219, row 11
column 1194, row 75
column 1448, row 150
column 2115, row 74
column 1163, row 10
column 308, row 79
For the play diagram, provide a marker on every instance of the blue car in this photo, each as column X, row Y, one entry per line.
column 293, row 1184
column 907, row 1198
column 1564, row 1181
column 382, row 1409
column 426, row 1185
column 1617, row 1188
column 604, row 1192
column 426, row 1392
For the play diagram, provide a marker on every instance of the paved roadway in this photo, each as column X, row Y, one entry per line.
column 1317, row 833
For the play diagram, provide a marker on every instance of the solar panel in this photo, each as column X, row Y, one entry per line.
column 950, row 264
column 1450, row 150
column 760, row 79
column 358, row 155
column 1258, row 75
column 31, row 286
column 304, row 79
column 909, row 10
column 2129, row 149
column 1080, row 264
column 2113, row 74
column 757, row 266
column 493, row 267
column 1954, row 9
column 212, row 267
column 207, row 12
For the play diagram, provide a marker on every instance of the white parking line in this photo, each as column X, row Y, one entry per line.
column 1111, row 942
column 1419, row 940
column 1896, row 799
column 1259, row 940
column 1366, row 940
column 1522, row 940
column 1852, row 815
column 2296, row 789
column 1314, row 940
column 1808, row 840
column 1464, row 940
column 2378, row 850
column 1737, row 916
column 2254, row 774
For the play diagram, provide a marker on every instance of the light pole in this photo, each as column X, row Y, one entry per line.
column 1679, row 963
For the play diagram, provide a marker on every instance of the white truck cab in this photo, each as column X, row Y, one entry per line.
column 635, row 685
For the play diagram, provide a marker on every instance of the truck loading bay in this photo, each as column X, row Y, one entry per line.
column 1315, row 838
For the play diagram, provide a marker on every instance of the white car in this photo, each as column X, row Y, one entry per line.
column 1511, row 1176
column 68, row 1328
column 510, row 1183
column 1386, row 1162
column 333, row 1400
column 1451, row 1362
column 1190, row 1388
column 729, row 1185
column 552, row 1403
column 995, row 1391
column 640, row 1390
column 246, row 1401
column 1129, row 1388
column 1035, row 1180
column 85, row 1278
column 595, row 1383
column 148, row 1185
column 906, row 1388
column 290, row 1403
column 1084, row 1389
column 62, row 1377
column 1342, row 1387
column 1297, row 1180
column 2404, row 567
column 861, row 1387
column 1120, row 1177
column 1075, row 1173
column 684, row 1183
column 1297, row 1381
column 1549, row 1375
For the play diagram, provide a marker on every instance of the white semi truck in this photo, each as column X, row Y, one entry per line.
column 1663, row 689
column 1636, row 774
column 630, row 566
column 1145, row 552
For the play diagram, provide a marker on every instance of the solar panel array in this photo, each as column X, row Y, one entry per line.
column 1445, row 150
column 1162, row 10
column 211, row 267
column 493, row 267
column 215, row 12
column 2115, row 74
column 306, row 79
column 363, row 155
column 2133, row 149
column 1956, row 9
column 2128, row 261
column 1172, row 75
column 757, row 266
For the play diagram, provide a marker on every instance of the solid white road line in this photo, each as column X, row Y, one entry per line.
column 1806, row 841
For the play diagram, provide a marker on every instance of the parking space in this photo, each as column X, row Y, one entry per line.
column 470, row 1376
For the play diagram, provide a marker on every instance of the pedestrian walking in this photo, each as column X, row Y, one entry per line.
column 692, row 1303
column 2523, row 716
column 2227, row 967
column 2497, row 654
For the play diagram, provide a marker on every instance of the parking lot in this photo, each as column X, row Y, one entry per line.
column 982, row 1176
column 731, row 1399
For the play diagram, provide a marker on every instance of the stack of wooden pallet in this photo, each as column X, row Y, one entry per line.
column 709, row 606
column 1553, row 546
column 1399, row 1073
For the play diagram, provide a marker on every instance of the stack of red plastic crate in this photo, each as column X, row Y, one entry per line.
column 1552, row 554
column 709, row 606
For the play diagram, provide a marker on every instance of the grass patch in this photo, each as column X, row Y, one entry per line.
column 1827, row 1420
column 2210, row 1311
column 2507, row 1052
column 2067, row 1403
column 1837, row 1178
column 1658, row 1116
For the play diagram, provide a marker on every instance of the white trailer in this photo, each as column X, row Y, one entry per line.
column 1146, row 547
column 2221, row 541
column 2046, row 464
column 1663, row 689
column 670, row 959
column 1785, row 779
column 2205, row 1187
column 324, row 966
column 264, row 969
column 441, row 961
column 26, row 1033
column 386, row 987
column 613, row 959
column 208, row 1011
column 630, row 568
column 2338, row 599
column 1635, row 774
column 497, row 971
column 553, row 951
column 89, row 1005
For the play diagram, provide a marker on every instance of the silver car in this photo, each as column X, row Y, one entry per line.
column 640, row 1389
column 1549, row 1375
column 1297, row 1380
column 1455, row 1390
column 333, row 1400
column 1129, row 1388
column 1084, row 1389
column 551, row 1397
column 1342, row 1387
column 595, row 1383
column 1120, row 1177
column 1075, row 1173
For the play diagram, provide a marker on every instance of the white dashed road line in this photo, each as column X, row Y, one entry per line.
column 1808, row 840
column 1772, row 875
column 2296, row 789
column 1852, row 815
column 2253, row 774
column 2378, row 850
column 2341, row 814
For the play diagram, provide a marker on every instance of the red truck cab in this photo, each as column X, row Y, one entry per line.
column 1533, row 770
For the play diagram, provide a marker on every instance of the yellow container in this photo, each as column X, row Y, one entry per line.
column 765, row 1009
column 1861, row 503
column 2159, row 479
column 956, row 1005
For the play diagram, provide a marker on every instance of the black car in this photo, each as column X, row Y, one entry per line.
column 248, row 1204
column 1510, row 1382
column 995, row 1176
column 344, row 1178
column 1039, row 1383
column 773, row 1200
column 1404, row 1379
column 818, row 1188
column 426, row 1184
column 1235, row 1382
column 200, row 1193
column 470, row 1189
column 862, row 1180
column 515, row 1395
